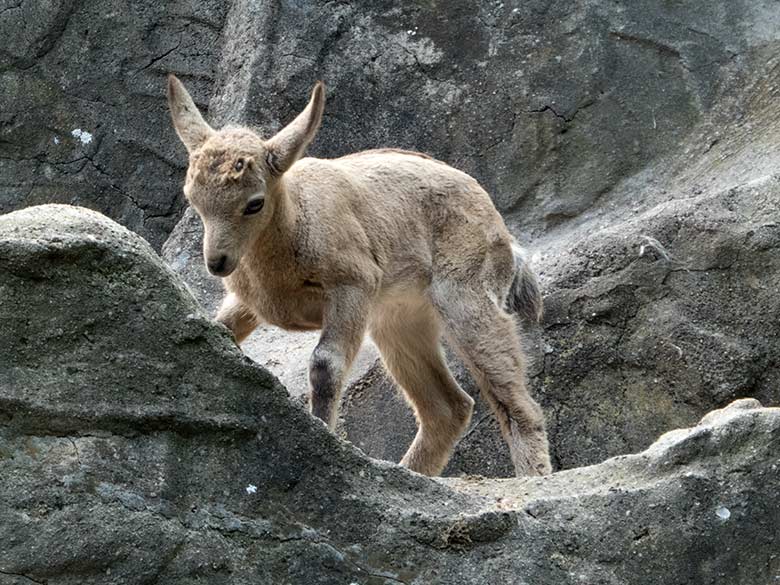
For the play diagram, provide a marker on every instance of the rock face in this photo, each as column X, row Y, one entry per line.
column 650, row 323
column 552, row 108
column 662, row 302
column 83, row 118
column 138, row 445
column 655, row 320
column 549, row 105
column 601, row 130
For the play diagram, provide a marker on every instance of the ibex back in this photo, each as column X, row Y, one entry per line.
column 388, row 242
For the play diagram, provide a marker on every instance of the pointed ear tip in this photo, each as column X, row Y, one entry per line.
column 174, row 82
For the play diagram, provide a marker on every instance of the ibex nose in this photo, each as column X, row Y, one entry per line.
column 217, row 265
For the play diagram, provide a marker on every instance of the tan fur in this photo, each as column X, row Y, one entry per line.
column 386, row 241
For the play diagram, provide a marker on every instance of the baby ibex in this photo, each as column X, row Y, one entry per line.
column 386, row 241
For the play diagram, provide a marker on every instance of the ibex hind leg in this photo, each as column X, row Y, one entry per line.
column 485, row 337
column 408, row 337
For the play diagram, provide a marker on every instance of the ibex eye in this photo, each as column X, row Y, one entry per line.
column 254, row 206
column 239, row 165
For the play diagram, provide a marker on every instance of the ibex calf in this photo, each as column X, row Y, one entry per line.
column 388, row 241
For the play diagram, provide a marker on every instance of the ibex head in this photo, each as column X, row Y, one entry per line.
column 233, row 175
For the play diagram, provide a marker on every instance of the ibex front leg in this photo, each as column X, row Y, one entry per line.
column 237, row 317
column 343, row 327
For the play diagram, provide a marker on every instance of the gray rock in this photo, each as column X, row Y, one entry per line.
column 551, row 106
column 84, row 120
column 584, row 122
column 652, row 319
column 138, row 445
column 662, row 299
column 650, row 323
column 656, row 320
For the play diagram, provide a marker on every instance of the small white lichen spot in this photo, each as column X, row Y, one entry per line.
column 723, row 513
column 251, row 489
column 82, row 135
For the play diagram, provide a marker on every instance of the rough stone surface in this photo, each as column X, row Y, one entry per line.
column 633, row 145
column 84, row 120
column 549, row 104
column 662, row 302
column 138, row 445
column 589, row 124
column 601, row 130
column 650, row 323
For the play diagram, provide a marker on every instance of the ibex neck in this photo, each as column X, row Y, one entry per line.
column 283, row 220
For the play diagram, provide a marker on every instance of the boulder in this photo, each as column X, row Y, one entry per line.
column 138, row 445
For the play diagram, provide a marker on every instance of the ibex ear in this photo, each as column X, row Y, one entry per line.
column 189, row 124
column 291, row 141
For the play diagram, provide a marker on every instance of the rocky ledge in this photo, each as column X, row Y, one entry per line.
column 139, row 445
